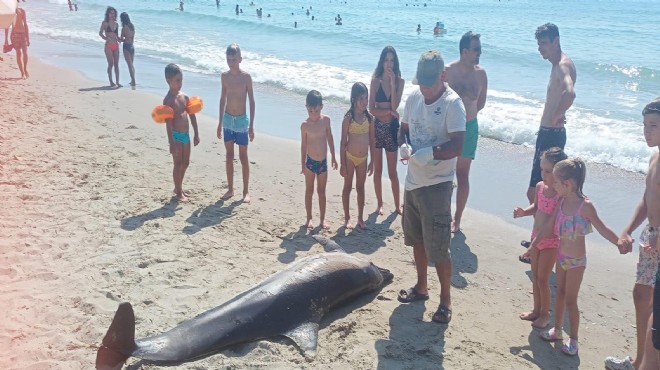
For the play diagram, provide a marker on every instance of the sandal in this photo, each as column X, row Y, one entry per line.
column 525, row 243
column 523, row 259
column 442, row 315
column 570, row 347
column 551, row 335
column 411, row 295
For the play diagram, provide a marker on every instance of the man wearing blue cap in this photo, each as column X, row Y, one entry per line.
column 434, row 119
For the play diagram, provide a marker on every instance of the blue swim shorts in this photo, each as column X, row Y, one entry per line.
column 240, row 138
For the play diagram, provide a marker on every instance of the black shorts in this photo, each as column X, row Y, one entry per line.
column 548, row 137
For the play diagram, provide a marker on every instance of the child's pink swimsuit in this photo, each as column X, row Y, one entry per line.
column 547, row 206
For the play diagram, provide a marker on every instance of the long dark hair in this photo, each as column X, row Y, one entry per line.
column 107, row 13
column 358, row 90
column 380, row 68
column 126, row 21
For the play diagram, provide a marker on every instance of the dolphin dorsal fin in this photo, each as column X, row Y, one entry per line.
column 328, row 244
column 306, row 337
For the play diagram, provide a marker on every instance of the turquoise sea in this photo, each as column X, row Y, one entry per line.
column 612, row 43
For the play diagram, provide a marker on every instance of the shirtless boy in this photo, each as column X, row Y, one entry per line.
column 20, row 39
column 559, row 98
column 469, row 80
column 178, row 128
column 234, row 123
column 316, row 137
column 646, row 293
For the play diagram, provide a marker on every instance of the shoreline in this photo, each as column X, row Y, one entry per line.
column 601, row 178
column 89, row 222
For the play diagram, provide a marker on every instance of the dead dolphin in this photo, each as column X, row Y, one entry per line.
column 289, row 303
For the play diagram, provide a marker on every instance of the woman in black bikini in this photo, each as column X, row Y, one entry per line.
column 127, row 36
column 109, row 33
column 387, row 84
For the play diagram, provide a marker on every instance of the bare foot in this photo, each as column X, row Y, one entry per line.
column 182, row 191
column 455, row 227
column 529, row 316
column 246, row 198
column 541, row 322
column 379, row 210
column 309, row 224
column 362, row 225
column 227, row 195
column 399, row 210
column 27, row 75
column 119, row 85
column 182, row 198
column 324, row 225
column 348, row 224
column 112, row 84
column 132, row 83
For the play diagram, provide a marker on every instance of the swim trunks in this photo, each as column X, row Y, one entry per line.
column 235, row 123
column 471, row 138
column 128, row 48
column 317, row 167
column 647, row 267
column 240, row 138
column 386, row 134
column 18, row 40
column 182, row 137
column 548, row 137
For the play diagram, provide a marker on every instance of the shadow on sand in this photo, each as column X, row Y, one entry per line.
column 98, row 88
column 426, row 352
column 211, row 215
column 135, row 222
column 463, row 260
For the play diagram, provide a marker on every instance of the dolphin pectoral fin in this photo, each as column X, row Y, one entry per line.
column 119, row 341
column 306, row 337
column 328, row 244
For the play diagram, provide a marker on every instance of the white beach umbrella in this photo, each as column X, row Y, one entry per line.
column 7, row 12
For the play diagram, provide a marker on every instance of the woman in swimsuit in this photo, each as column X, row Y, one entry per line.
column 127, row 36
column 109, row 33
column 357, row 138
column 573, row 217
column 387, row 84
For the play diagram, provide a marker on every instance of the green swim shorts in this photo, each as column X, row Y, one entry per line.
column 471, row 137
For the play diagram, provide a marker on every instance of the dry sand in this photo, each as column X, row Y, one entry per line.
column 87, row 221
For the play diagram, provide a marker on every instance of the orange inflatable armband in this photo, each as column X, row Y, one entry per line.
column 162, row 113
column 195, row 105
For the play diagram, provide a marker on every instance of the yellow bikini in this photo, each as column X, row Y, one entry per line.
column 357, row 129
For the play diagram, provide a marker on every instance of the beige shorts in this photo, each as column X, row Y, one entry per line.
column 427, row 220
column 647, row 266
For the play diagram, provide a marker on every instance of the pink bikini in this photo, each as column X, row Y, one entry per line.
column 571, row 227
column 547, row 206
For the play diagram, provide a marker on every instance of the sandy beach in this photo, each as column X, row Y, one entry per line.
column 88, row 221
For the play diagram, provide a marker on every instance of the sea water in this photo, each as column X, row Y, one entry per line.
column 612, row 43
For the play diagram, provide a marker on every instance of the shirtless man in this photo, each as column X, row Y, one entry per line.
column 559, row 98
column 20, row 39
column 646, row 293
column 234, row 123
column 469, row 80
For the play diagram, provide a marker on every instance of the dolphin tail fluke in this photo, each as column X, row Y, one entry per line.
column 119, row 341
column 328, row 244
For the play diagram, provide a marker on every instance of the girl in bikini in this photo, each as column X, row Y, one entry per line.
column 387, row 89
column 127, row 36
column 573, row 218
column 544, row 256
column 357, row 139
column 109, row 33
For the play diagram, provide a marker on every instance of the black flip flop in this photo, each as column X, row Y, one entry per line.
column 411, row 295
column 442, row 315
column 524, row 259
column 525, row 243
